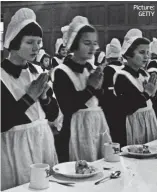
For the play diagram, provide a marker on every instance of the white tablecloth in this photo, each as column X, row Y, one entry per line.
column 138, row 175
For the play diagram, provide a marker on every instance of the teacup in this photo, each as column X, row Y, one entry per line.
column 39, row 176
column 112, row 152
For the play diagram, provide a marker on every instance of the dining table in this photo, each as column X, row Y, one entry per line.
column 137, row 175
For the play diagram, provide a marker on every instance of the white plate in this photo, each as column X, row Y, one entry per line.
column 68, row 170
column 152, row 149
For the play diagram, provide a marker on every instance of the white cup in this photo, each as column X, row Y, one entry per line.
column 112, row 152
column 39, row 178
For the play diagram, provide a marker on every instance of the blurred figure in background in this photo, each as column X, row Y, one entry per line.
column 44, row 60
column 152, row 68
column 60, row 53
column 109, row 102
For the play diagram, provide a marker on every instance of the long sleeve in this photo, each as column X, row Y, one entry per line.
column 107, row 87
column 68, row 98
column 50, row 106
column 130, row 98
column 54, row 62
column 12, row 111
column 108, row 77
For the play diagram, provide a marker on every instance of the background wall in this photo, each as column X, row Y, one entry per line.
column 112, row 19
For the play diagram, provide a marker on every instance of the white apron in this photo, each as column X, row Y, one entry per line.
column 141, row 126
column 25, row 144
column 89, row 129
column 59, row 61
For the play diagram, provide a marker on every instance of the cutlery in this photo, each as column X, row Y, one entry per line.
column 113, row 175
column 107, row 168
column 62, row 183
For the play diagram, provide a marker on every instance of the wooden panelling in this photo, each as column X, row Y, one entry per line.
column 153, row 19
column 101, row 39
column 78, row 10
column 119, row 34
column 152, row 33
column 96, row 14
column 116, row 14
column 47, row 42
column 134, row 17
column 111, row 19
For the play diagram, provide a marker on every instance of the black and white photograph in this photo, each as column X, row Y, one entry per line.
column 78, row 96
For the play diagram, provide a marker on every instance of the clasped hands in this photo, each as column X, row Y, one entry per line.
column 150, row 87
column 96, row 78
column 39, row 87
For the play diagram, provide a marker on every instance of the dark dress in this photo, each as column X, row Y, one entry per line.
column 131, row 100
column 114, row 115
column 152, row 68
column 75, row 100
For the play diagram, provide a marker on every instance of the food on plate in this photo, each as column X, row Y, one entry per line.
column 144, row 149
column 82, row 167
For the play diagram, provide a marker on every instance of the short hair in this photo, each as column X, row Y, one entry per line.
column 153, row 56
column 84, row 29
column 42, row 59
column 62, row 46
column 45, row 56
column 135, row 44
column 31, row 29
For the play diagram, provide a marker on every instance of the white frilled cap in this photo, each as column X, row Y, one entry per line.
column 59, row 42
column 19, row 20
column 64, row 32
column 113, row 50
column 101, row 56
column 77, row 23
column 40, row 55
column 153, row 46
column 132, row 33
column 129, row 38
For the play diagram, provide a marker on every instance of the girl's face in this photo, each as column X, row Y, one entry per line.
column 141, row 56
column 29, row 48
column 46, row 62
column 87, row 45
column 63, row 52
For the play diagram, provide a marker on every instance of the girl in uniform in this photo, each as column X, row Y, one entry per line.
column 109, row 102
column 152, row 68
column 26, row 137
column 134, row 87
column 60, row 53
column 84, row 128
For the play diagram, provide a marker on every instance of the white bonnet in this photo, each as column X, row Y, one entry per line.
column 59, row 42
column 64, row 31
column 129, row 38
column 77, row 23
column 113, row 50
column 133, row 32
column 153, row 46
column 19, row 20
column 101, row 57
